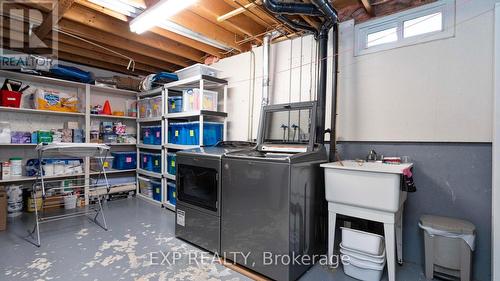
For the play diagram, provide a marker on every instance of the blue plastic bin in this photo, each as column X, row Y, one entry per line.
column 156, row 131
column 124, row 160
column 156, row 162
column 147, row 135
column 174, row 104
column 188, row 133
column 146, row 161
column 171, row 163
column 156, row 185
column 171, row 192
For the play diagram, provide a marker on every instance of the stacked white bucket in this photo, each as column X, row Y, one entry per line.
column 363, row 254
column 14, row 200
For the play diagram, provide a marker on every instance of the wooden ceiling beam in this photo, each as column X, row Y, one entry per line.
column 160, row 31
column 248, row 12
column 114, row 41
column 368, row 7
column 68, row 40
column 111, row 25
column 53, row 17
column 99, row 64
column 238, row 23
column 235, row 12
column 118, row 61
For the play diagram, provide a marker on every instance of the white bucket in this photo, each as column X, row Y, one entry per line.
column 357, row 255
column 70, row 202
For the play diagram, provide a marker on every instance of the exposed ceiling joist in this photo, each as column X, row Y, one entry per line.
column 53, row 17
column 111, row 25
column 235, row 12
column 368, row 7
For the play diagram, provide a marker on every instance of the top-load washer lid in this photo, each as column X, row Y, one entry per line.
column 218, row 150
column 287, row 128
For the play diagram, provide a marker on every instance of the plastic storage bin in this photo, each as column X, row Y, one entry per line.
column 156, row 187
column 155, row 104
column 174, row 104
column 191, row 100
column 124, row 160
column 188, row 133
column 107, row 162
column 171, row 163
column 151, row 135
column 197, row 69
column 366, row 242
column 146, row 161
column 145, row 187
column 145, row 110
column 171, row 193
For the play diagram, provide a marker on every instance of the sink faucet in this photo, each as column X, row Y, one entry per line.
column 372, row 156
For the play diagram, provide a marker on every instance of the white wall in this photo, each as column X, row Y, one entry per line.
column 496, row 155
column 435, row 91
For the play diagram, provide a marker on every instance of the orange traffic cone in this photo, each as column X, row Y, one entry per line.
column 107, row 108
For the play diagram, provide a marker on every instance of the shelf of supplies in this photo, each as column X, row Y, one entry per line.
column 112, row 116
column 36, row 111
column 150, row 119
column 18, row 144
column 149, row 146
column 113, row 171
column 149, row 199
column 180, row 146
column 41, row 79
column 120, row 144
column 151, row 93
column 198, row 113
column 24, row 178
column 149, row 173
column 108, row 90
column 169, row 206
column 169, row 176
column 209, row 82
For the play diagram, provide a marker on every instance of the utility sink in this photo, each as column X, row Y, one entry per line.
column 371, row 185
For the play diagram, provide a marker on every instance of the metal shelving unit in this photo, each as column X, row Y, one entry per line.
column 141, row 146
column 85, row 93
column 203, row 82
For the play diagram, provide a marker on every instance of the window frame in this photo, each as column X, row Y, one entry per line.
column 361, row 31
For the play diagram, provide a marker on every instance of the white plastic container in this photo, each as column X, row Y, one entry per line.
column 70, row 202
column 197, row 69
column 5, row 132
column 363, row 270
column 16, row 167
column 362, row 241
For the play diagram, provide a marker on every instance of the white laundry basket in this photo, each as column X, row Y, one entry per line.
column 363, row 270
column 362, row 241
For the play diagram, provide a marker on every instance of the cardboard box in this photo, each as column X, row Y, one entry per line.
column 3, row 210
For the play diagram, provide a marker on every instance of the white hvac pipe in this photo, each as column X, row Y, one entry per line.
column 266, row 50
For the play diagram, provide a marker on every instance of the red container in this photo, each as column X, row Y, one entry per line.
column 10, row 98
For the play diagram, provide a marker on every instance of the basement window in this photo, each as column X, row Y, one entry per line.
column 418, row 25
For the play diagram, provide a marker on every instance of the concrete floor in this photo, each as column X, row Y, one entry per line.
column 77, row 249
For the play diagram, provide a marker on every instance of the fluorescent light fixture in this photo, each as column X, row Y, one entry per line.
column 181, row 30
column 157, row 14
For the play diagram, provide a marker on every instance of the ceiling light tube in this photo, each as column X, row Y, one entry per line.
column 156, row 14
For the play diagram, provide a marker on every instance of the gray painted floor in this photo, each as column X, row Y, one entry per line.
column 77, row 249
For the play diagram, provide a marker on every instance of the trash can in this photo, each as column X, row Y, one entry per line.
column 449, row 244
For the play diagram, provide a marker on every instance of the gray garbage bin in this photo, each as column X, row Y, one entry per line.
column 448, row 243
